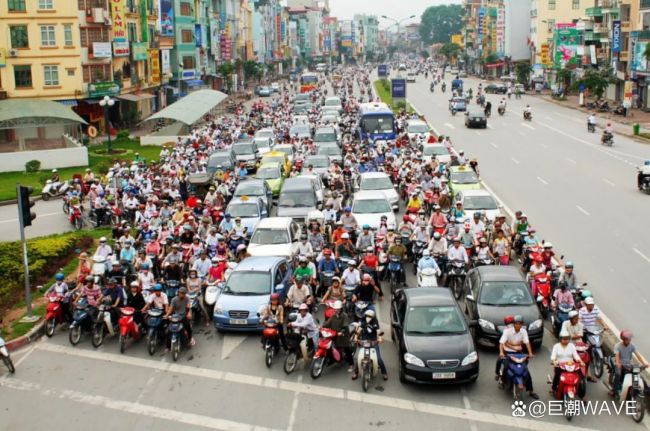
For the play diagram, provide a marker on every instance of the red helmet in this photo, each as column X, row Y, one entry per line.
column 539, row 259
column 406, row 218
column 275, row 297
column 626, row 334
column 509, row 320
column 327, row 252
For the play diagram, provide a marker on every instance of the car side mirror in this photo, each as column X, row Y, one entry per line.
column 470, row 298
column 397, row 325
column 472, row 323
column 221, row 285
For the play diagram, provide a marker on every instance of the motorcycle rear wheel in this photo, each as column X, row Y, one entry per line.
column 98, row 336
column 74, row 335
column 122, row 343
column 567, row 414
column 45, row 197
column 50, row 327
column 598, row 366
column 152, row 344
column 268, row 356
column 290, row 362
column 365, row 378
column 458, row 288
column 639, row 411
column 176, row 349
column 517, row 392
column 9, row 364
column 78, row 223
column 316, row 369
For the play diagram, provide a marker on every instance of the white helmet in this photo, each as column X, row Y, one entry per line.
column 370, row 313
column 426, row 252
column 565, row 334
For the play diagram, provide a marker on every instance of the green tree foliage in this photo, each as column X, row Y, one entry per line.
column 424, row 53
column 438, row 23
column 523, row 70
column 596, row 81
column 252, row 69
column 450, row 50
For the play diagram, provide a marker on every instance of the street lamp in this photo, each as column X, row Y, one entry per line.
column 106, row 103
column 398, row 22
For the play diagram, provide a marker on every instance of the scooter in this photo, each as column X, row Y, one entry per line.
column 557, row 319
column 395, row 270
column 591, row 127
column 528, row 116
column 595, row 342
column 567, row 387
column 543, row 283
column 416, row 250
column 155, row 329
column 76, row 217
column 270, row 335
column 607, row 139
column 359, row 310
column 53, row 313
column 514, row 375
column 51, row 190
column 632, row 388
column 6, row 357
column 128, row 327
column 172, row 289
column 102, row 323
column 456, row 277
column 178, row 335
column 211, row 294
column 326, row 353
column 583, row 351
column 428, row 278
column 297, row 347
column 501, row 110
column 82, row 321
column 329, row 309
column 367, row 362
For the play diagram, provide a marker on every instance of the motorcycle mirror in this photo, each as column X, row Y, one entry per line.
column 279, row 287
column 472, row 323
column 221, row 285
column 470, row 298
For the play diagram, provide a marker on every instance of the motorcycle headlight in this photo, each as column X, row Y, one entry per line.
column 469, row 359
column 486, row 324
column 218, row 309
column 413, row 360
column 535, row 325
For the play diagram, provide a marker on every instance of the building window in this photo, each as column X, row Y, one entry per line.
column 95, row 73
column 51, row 75
column 23, row 76
column 133, row 32
column 575, row 4
column 187, row 36
column 152, row 34
column 19, row 38
column 67, row 34
column 17, row 6
column 551, row 25
column 48, row 37
column 45, row 4
column 186, row 9
column 71, row 72
column 551, row 4
column 188, row 62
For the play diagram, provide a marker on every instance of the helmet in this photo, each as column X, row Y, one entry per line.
column 337, row 305
column 436, row 235
column 182, row 290
column 565, row 334
column 369, row 313
column 102, row 239
column 301, row 259
column 548, row 244
column 590, row 300
column 568, row 264
column 134, row 284
column 369, row 249
column 477, row 214
column 406, row 218
column 539, row 259
column 426, row 252
column 367, row 277
column 157, row 287
column 59, row 276
column 508, row 320
column 352, row 262
column 586, row 294
column 145, row 266
column 241, row 247
column 347, row 209
column 275, row 297
column 303, row 307
column 626, row 334
column 345, row 235
column 366, row 226
column 572, row 314
column 518, row 319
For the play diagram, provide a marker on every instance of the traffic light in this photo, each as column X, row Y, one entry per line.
column 25, row 204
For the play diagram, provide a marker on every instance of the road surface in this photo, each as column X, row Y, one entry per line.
column 49, row 220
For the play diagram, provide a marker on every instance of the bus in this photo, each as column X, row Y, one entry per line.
column 376, row 121
column 308, row 82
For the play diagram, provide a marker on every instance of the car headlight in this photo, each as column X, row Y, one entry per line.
column 536, row 324
column 469, row 359
column 486, row 324
column 413, row 360
column 218, row 309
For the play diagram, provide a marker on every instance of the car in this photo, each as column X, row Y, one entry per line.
column 298, row 198
column 275, row 87
column 433, row 337
column 318, row 184
column 417, row 128
column 302, row 97
column 286, row 149
column 475, row 119
column 250, row 209
column 330, row 110
column 458, row 103
column 246, row 290
column 271, row 173
column 274, row 236
column 369, row 206
column 462, row 74
column 247, row 153
column 325, row 135
column 321, row 164
column 411, row 77
column 379, row 182
column 300, row 131
column 252, row 187
column 264, row 144
column 263, row 91
column 494, row 292
column 331, row 118
column 401, row 67
column 225, row 159
column 334, row 102
column 266, row 132
column 300, row 119
column 479, row 200
column 462, row 178
column 332, row 150
column 278, row 157
column 439, row 150
column 495, row 89
column 301, row 109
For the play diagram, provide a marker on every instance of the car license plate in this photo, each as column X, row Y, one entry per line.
column 437, row 376
column 238, row 321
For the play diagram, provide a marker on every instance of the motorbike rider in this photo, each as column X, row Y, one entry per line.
column 482, row 251
column 135, row 300
column 275, row 310
column 303, row 247
column 643, row 174
column 369, row 330
column 563, row 351
column 398, row 249
column 513, row 339
column 456, row 252
column 573, row 326
column 335, row 291
column 502, row 105
column 365, row 239
column 156, row 299
column 590, row 314
column 608, row 133
column 304, row 271
column 591, row 120
column 60, row 287
column 624, row 354
column 345, row 248
column 306, row 321
column 182, row 305
column 568, row 276
column 340, row 323
column 116, row 294
column 536, row 268
column 528, row 111
column 438, row 220
column 488, row 108
column 299, row 294
column 351, row 275
column 426, row 261
column 563, row 295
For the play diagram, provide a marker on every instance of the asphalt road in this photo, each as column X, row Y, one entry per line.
column 49, row 220
column 579, row 194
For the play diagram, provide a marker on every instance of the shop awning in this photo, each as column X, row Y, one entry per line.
column 192, row 107
column 130, row 97
column 194, row 82
column 35, row 113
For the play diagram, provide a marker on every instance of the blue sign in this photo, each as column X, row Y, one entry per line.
column 616, row 36
column 198, row 35
column 481, row 16
column 398, row 88
column 582, row 88
column 382, row 70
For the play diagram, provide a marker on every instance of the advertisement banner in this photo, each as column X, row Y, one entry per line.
column 166, row 18
column 481, row 16
column 198, row 35
column 616, row 36
column 144, row 27
column 121, row 49
column 457, row 39
column 165, row 61
column 501, row 31
column 119, row 25
column 398, row 88
column 545, row 56
column 628, row 94
column 639, row 62
column 566, row 41
column 102, row 50
column 382, row 70
column 140, row 51
column 101, row 89
column 214, row 39
column 278, row 29
column 154, row 77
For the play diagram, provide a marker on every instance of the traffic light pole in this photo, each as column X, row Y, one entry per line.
column 28, row 293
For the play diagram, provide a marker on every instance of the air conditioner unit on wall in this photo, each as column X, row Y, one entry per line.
column 13, row 53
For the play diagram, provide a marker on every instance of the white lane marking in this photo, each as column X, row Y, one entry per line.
column 477, row 132
column 147, row 385
column 12, row 220
column 570, row 160
column 582, row 210
column 490, row 127
column 468, row 406
column 529, row 126
column 451, row 126
column 543, row 181
column 294, row 408
column 230, row 342
column 514, row 160
column 494, row 145
column 317, row 390
column 130, row 407
column 25, row 356
column 637, row 251
column 608, row 182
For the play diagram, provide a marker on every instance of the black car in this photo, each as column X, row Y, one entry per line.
column 495, row 89
column 495, row 292
column 433, row 338
column 475, row 119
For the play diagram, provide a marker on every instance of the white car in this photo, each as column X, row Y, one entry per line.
column 263, row 144
column 300, row 119
column 417, row 128
column 274, row 236
column 439, row 150
column 379, row 182
column 334, row 102
column 275, row 87
column 479, row 200
column 368, row 208
column 410, row 77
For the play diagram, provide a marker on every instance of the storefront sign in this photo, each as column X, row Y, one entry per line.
column 154, row 55
column 165, row 61
column 119, row 25
column 102, row 50
column 198, row 35
column 188, row 74
column 101, row 89
column 140, row 51
column 398, row 88
column 121, row 49
column 166, row 18
column 616, row 36
column 545, row 57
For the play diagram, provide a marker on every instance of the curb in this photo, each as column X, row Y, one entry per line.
column 14, row 201
column 34, row 334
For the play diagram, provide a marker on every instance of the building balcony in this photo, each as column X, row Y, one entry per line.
column 644, row 35
column 606, row 4
column 600, row 29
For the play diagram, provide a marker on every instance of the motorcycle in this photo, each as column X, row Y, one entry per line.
column 567, row 387
column 326, row 353
column 543, row 283
column 53, row 313
column 428, row 278
column 528, row 116
column 395, row 270
column 418, row 248
column 82, row 320
column 211, row 294
column 367, row 362
column 501, row 110
column 102, row 323
column 172, row 288
column 513, row 377
column 591, row 127
column 359, row 310
column 128, row 327
column 560, row 316
column 75, row 217
column 154, row 329
column 456, row 277
column 595, row 342
column 632, row 388
column 329, row 309
column 270, row 335
column 476, row 262
column 178, row 335
column 6, row 357
column 326, row 278
column 51, row 190
column 432, row 87
column 297, row 348
column 607, row 139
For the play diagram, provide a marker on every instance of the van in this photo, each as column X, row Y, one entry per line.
column 299, row 197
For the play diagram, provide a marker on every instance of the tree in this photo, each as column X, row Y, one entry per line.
column 450, row 50
column 438, row 23
column 424, row 53
column 596, row 81
column 646, row 52
column 523, row 70
column 252, row 69
column 226, row 69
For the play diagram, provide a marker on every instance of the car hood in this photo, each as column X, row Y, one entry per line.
column 269, row 249
column 274, row 184
column 249, row 223
column 246, row 157
column 250, row 303
column 495, row 314
column 299, row 212
column 389, row 194
column 455, row 346
column 374, row 219
column 441, row 159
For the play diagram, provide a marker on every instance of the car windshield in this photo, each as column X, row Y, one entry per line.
column 297, row 199
column 224, row 161
column 371, row 206
column 243, row 210
column 262, row 143
column 268, row 172
column 477, row 115
column 381, row 123
column 418, row 128
column 299, row 130
column 325, row 137
column 270, row 236
column 464, row 177
column 329, row 150
column 379, row 183
column 241, row 149
column 264, row 134
column 434, row 320
column 317, row 162
column 248, row 283
column 286, row 150
column 430, row 150
column 479, row 203
column 501, row 293
column 249, row 189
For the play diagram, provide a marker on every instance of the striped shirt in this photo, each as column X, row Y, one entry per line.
column 589, row 318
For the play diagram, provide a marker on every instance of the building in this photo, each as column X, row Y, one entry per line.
column 368, row 26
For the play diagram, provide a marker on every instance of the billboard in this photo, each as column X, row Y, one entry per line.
column 545, row 55
column 166, row 18
column 154, row 78
column 639, row 62
column 398, row 88
column 382, row 70
column 102, row 50
column 566, row 41
column 119, row 25
column 616, row 36
column 140, row 51
column 457, row 39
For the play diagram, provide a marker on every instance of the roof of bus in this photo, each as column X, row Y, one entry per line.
column 374, row 108
column 310, row 74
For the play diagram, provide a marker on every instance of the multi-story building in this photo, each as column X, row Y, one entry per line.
column 368, row 26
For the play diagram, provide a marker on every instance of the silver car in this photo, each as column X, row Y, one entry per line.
column 380, row 182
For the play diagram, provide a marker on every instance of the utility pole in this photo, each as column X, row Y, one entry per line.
column 25, row 217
